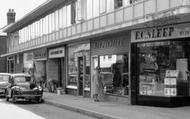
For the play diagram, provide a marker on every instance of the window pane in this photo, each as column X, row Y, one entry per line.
column 110, row 5
column 114, row 72
column 50, row 20
column 102, row 6
column 64, row 17
column 96, row 8
column 89, row 9
column 76, row 52
column 126, row 2
column 56, row 20
column 60, row 18
column 149, row 68
column 118, row 3
column 68, row 15
column 53, row 21
column 156, row 60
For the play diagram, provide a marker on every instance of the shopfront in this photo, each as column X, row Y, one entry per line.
column 78, row 78
column 111, row 54
column 40, row 59
column 56, row 68
column 160, row 60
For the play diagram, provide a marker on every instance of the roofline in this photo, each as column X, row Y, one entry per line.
column 37, row 12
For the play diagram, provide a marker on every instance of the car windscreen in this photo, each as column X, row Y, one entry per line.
column 20, row 79
column 4, row 78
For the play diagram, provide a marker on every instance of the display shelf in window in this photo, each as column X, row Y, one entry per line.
column 148, row 84
column 107, row 80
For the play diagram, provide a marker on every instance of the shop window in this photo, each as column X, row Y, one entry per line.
column 81, row 10
column 76, row 52
column 114, row 73
column 73, row 13
column 102, row 6
column 156, row 60
column 134, row 1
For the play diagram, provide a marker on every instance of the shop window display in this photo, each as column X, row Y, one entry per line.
column 114, row 72
column 162, row 67
column 77, row 52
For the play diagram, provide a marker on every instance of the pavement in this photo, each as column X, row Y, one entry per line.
column 114, row 110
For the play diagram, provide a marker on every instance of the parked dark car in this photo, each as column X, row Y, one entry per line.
column 23, row 88
column 4, row 82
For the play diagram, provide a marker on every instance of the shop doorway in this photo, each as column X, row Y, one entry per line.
column 61, row 72
column 81, row 73
column 10, row 66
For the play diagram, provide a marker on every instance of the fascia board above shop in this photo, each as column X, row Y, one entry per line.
column 162, row 21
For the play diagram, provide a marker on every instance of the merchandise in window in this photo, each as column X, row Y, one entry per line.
column 75, row 66
column 162, row 68
column 114, row 72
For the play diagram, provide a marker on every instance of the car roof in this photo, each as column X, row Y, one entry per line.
column 20, row 74
column 5, row 74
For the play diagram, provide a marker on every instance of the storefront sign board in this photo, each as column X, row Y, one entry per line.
column 161, row 33
column 57, row 52
column 110, row 45
column 40, row 54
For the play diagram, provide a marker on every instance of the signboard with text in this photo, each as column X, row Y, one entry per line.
column 161, row 33
column 40, row 54
column 57, row 52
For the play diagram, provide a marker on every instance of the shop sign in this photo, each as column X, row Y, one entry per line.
column 161, row 33
column 40, row 54
column 57, row 52
column 118, row 42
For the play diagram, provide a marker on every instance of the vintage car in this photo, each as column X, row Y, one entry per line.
column 4, row 82
column 22, row 87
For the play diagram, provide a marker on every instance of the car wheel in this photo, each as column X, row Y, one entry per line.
column 39, row 100
column 7, row 98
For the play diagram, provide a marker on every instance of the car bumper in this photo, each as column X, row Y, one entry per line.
column 27, row 96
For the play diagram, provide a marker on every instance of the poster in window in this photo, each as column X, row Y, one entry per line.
column 167, row 81
column 167, row 91
column 173, row 91
column 173, row 81
column 172, row 73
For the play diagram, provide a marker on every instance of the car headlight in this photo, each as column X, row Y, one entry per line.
column 39, row 88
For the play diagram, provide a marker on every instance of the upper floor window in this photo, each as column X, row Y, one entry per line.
column 102, row 6
column 80, row 10
column 118, row 3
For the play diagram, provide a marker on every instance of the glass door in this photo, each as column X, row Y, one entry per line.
column 81, row 72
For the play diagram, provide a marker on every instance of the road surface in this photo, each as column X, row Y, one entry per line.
column 26, row 110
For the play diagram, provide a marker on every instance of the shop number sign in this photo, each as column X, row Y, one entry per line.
column 170, row 82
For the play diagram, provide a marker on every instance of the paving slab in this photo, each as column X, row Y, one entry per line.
column 114, row 110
